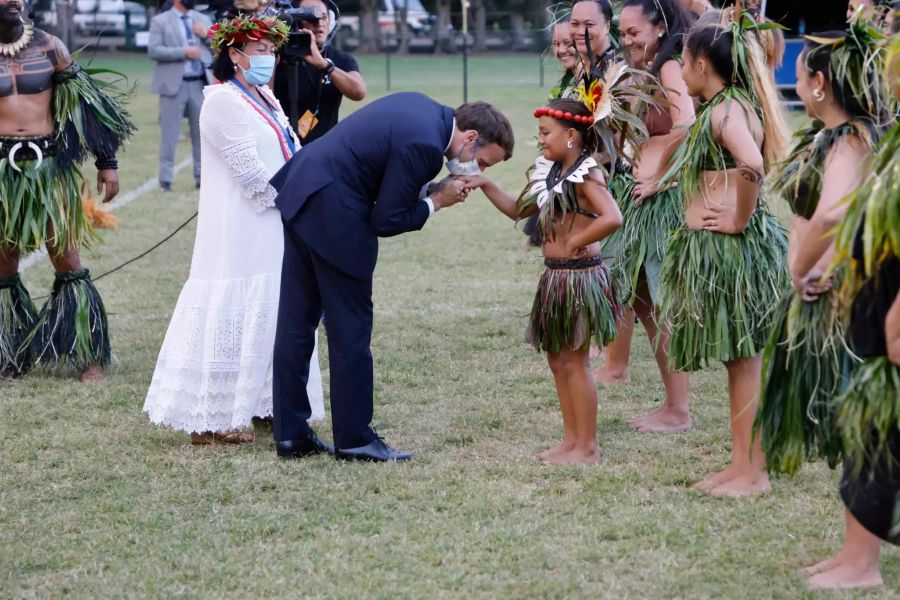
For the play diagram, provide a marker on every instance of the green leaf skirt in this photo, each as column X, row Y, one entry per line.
column 575, row 303
column 42, row 206
column 805, row 363
column 719, row 292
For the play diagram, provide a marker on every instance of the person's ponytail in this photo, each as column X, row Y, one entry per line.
column 762, row 81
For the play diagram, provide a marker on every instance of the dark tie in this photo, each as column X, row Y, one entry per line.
column 196, row 66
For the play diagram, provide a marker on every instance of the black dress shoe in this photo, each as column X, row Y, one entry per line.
column 375, row 451
column 311, row 444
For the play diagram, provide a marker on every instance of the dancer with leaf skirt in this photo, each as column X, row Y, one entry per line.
column 806, row 361
column 53, row 114
column 576, row 301
column 652, row 34
column 725, row 269
column 868, row 414
column 563, row 49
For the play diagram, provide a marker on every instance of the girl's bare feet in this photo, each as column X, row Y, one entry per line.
column 608, row 376
column 576, row 456
column 847, row 575
column 561, row 448
column 663, row 420
column 94, row 373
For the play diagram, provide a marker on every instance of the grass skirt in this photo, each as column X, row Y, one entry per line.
column 72, row 326
column 719, row 292
column 640, row 244
column 805, row 364
column 36, row 198
column 574, row 304
column 17, row 317
column 868, row 412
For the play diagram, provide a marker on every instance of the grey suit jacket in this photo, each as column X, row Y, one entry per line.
column 167, row 45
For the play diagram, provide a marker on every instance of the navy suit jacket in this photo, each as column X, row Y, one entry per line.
column 362, row 180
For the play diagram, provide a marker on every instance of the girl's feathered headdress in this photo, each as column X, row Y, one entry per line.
column 242, row 30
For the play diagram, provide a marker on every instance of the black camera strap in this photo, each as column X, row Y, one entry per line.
column 317, row 83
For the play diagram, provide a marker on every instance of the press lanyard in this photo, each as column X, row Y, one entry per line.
column 312, row 81
column 270, row 117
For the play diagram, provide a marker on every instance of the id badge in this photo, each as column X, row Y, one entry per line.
column 306, row 124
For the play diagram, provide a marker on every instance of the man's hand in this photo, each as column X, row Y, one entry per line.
column 192, row 53
column 811, row 286
column 450, row 192
column 108, row 178
column 315, row 57
column 199, row 30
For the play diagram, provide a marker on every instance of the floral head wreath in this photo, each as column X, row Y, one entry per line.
column 242, row 30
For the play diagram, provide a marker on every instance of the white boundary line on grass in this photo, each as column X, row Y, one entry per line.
column 126, row 198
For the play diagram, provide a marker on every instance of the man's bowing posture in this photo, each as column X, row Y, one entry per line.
column 366, row 179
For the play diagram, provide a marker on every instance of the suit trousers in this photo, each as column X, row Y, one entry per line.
column 310, row 286
column 172, row 109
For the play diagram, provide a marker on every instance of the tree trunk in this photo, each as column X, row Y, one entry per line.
column 401, row 11
column 65, row 22
column 480, row 25
column 442, row 26
column 517, row 20
column 368, row 23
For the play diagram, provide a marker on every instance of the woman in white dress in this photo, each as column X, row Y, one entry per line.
column 214, row 372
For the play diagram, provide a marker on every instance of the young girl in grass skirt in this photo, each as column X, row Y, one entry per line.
column 868, row 411
column 725, row 269
column 575, row 301
column 806, row 360
column 652, row 35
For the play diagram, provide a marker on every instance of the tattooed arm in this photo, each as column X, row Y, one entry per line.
column 736, row 137
column 844, row 170
column 58, row 54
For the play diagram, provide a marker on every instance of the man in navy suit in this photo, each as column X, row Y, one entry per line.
column 337, row 196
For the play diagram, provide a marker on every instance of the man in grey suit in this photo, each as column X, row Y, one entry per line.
column 179, row 45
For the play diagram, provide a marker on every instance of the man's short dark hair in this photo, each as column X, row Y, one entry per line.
column 492, row 126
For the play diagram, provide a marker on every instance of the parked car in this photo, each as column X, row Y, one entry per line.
column 418, row 20
column 107, row 17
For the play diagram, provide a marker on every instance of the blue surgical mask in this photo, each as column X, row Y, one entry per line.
column 261, row 68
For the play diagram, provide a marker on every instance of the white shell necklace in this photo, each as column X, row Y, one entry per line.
column 13, row 48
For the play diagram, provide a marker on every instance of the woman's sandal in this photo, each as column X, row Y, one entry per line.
column 221, row 437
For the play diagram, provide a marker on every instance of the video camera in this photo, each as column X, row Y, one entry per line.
column 300, row 40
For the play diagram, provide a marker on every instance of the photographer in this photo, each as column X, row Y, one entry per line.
column 325, row 76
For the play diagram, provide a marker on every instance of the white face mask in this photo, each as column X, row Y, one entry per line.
column 468, row 168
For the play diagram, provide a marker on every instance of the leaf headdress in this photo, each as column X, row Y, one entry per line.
column 858, row 62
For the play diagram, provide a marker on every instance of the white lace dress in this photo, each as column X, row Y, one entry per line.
column 214, row 370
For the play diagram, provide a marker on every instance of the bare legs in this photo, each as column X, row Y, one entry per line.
column 746, row 475
column 674, row 414
column 64, row 261
column 617, row 354
column 578, row 403
column 855, row 566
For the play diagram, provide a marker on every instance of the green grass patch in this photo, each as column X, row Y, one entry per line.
column 95, row 502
